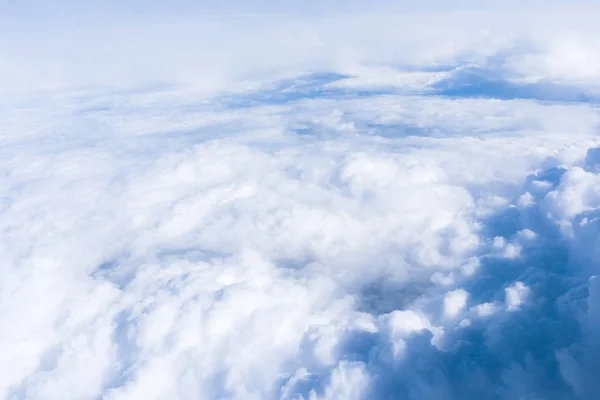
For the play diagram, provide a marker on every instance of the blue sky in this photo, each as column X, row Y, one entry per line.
column 299, row 201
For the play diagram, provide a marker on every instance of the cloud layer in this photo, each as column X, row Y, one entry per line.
column 322, row 220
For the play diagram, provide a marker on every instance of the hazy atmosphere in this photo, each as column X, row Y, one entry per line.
column 299, row 200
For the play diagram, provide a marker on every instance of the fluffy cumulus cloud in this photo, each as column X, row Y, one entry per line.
column 286, row 202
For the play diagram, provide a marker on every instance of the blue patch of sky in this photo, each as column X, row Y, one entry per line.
column 485, row 83
column 292, row 90
column 467, row 82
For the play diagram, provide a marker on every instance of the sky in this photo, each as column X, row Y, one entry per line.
column 302, row 200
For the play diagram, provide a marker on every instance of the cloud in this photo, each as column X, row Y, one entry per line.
column 516, row 295
column 289, row 209
column 454, row 302
column 211, row 45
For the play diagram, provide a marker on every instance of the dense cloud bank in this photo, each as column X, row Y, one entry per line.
column 379, row 231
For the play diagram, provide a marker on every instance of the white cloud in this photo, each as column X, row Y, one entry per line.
column 486, row 309
column 454, row 302
column 348, row 381
column 578, row 192
column 516, row 295
column 230, row 216
column 195, row 249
